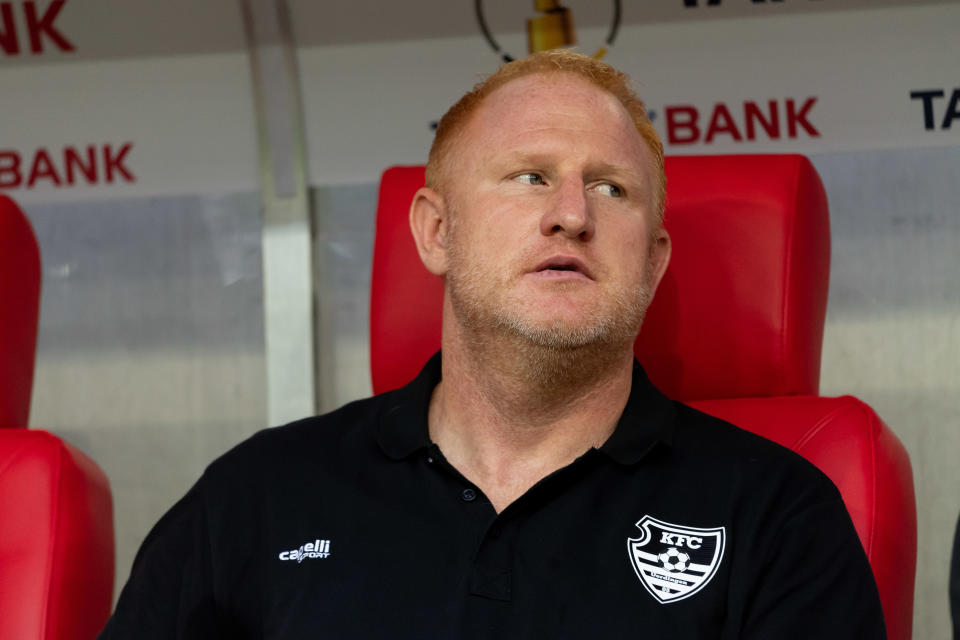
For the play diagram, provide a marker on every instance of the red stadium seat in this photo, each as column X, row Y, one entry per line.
column 56, row 512
column 735, row 329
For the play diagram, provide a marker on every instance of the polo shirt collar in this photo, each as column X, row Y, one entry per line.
column 402, row 428
column 647, row 420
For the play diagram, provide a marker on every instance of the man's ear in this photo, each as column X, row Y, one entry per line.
column 430, row 224
column 660, row 250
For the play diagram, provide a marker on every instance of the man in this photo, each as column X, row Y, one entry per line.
column 530, row 482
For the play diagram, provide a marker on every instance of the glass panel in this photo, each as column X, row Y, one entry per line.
column 150, row 351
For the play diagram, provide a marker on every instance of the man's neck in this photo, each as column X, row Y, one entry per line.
column 508, row 413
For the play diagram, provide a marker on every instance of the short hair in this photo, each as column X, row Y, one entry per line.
column 593, row 71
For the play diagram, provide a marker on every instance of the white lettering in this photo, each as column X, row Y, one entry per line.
column 316, row 549
column 680, row 540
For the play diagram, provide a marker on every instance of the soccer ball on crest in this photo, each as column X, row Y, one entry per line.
column 673, row 560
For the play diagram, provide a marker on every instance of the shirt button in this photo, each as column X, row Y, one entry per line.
column 469, row 495
column 495, row 531
column 430, row 460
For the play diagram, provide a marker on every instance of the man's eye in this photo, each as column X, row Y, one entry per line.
column 530, row 178
column 608, row 189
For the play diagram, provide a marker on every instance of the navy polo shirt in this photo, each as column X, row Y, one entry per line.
column 354, row 525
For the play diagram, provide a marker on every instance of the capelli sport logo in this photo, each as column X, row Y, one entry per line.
column 315, row 549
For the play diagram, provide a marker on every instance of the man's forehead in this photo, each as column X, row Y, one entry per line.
column 532, row 116
column 536, row 93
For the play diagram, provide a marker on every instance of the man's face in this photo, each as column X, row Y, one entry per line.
column 552, row 233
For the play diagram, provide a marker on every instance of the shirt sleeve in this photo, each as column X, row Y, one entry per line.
column 815, row 581
column 169, row 593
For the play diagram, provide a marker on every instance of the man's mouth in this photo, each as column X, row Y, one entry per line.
column 564, row 267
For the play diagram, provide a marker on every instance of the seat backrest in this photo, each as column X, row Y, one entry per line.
column 736, row 328
column 740, row 310
column 19, row 306
column 56, row 511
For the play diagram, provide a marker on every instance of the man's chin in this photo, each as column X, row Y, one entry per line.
column 567, row 336
column 567, row 324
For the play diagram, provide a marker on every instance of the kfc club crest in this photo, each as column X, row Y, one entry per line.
column 672, row 561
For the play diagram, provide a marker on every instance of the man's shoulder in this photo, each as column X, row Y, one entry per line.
column 343, row 436
column 727, row 453
column 698, row 429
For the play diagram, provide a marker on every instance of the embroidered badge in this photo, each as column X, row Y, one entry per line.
column 674, row 562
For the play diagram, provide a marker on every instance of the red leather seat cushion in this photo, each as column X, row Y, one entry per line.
column 56, row 540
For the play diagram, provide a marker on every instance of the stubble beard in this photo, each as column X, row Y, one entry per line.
column 553, row 356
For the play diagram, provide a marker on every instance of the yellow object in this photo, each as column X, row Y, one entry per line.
column 552, row 30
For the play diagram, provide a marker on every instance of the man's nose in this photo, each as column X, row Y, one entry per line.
column 568, row 212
